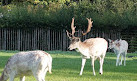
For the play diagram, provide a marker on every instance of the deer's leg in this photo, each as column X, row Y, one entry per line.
column 125, row 58
column 100, row 61
column 44, row 74
column 43, row 77
column 11, row 77
column 93, row 59
column 120, row 63
column 117, row 60
column 82, row 65
column 37, row 74
column 22, row 78
column 101, row 65
column 38, row 77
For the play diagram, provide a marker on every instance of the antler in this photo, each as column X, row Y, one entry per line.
column 89, row 26
column 72, row 28
column 68, row 34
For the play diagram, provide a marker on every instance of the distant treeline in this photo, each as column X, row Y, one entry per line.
column 57, row 14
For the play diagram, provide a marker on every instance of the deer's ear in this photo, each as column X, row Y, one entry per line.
column 69, row 35
column 109, row 40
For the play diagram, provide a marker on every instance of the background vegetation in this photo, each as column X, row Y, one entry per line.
column 57, row 14
column 66, row 67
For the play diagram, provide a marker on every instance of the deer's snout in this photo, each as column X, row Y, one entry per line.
column 70, row 47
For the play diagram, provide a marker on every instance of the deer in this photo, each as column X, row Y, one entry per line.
column 92, row 48
column 22, row 64
column 120, row 48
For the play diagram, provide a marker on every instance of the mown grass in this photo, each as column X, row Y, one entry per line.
column 67, row 64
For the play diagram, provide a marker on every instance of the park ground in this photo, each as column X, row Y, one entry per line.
column 66, row 67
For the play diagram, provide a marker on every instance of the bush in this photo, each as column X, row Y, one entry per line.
column 106, row 14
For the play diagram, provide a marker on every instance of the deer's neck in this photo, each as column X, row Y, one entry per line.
column 116, row 48
column 83, row 48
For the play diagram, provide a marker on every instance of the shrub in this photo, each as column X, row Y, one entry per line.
column 57, row 14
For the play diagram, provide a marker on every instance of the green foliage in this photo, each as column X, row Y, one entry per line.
column 57, row 14
column 46, row 2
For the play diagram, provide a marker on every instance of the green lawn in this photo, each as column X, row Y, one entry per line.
column 67, row 64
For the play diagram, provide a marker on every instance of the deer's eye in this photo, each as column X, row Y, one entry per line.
column 72, row 41
column 77, row 40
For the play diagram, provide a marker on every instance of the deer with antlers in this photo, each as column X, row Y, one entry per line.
column 92, row 48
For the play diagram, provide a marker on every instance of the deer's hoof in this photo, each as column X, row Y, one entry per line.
column 100, row 73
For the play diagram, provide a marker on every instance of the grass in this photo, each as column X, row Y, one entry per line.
column 67, row 64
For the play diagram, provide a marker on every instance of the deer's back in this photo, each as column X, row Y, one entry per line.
column 25, row 62
column 97, row 45
column 122, row 46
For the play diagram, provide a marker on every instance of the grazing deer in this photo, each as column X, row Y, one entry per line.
column 27, row 63
column 120, row 48
column 92, row 48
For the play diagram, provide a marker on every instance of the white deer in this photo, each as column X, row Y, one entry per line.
column 92, row 48
column 120, row 48
column 27, row 63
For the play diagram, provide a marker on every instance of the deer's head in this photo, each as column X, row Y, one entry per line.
column 74, row 41
column 113, row 44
